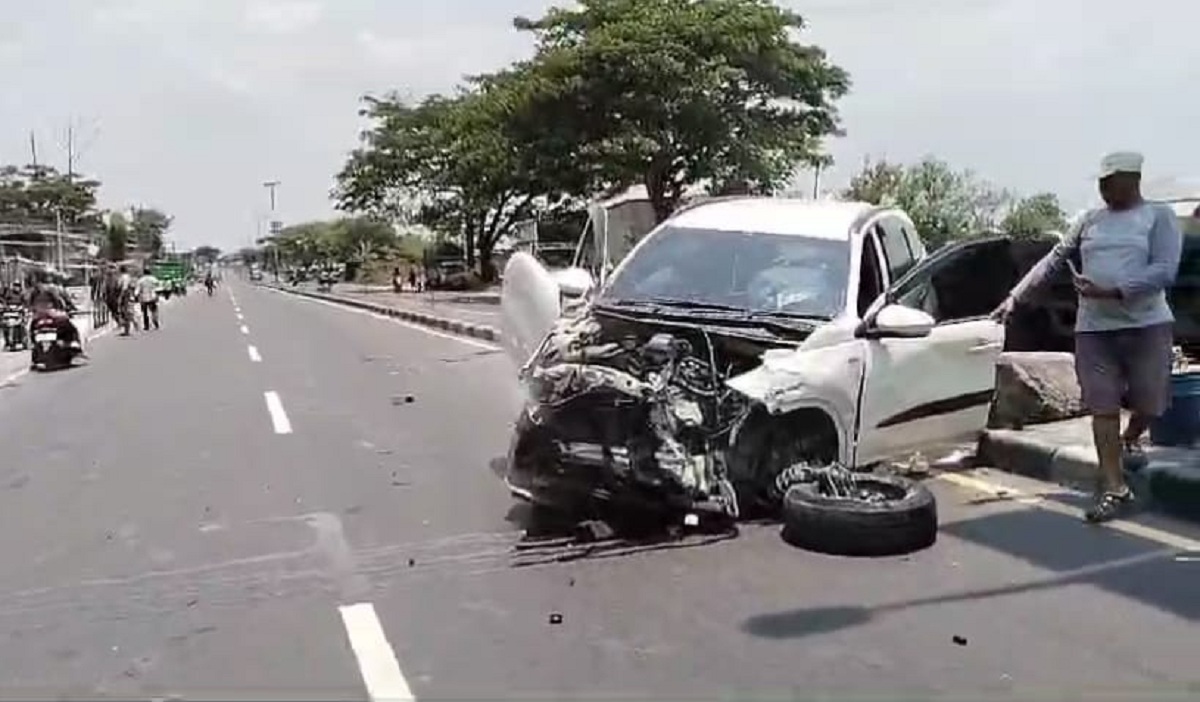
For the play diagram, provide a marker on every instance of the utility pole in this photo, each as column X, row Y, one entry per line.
column 73, row 148
column 33, row 149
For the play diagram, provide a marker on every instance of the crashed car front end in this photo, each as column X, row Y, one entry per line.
column 640, row 412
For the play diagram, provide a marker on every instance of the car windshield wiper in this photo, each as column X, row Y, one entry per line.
column 780, row 314
column 674, row 302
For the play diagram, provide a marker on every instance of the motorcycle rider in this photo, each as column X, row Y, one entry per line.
column 14, row 295
column 49, row 298
column 210, row 281
column 13, row 298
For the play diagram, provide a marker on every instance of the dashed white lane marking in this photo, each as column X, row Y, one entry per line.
column 240, row 317
column 245, row 329
column 254, row 355
column 477, row 343
column 279, row 418
column 376, row 660
column 1141, row 531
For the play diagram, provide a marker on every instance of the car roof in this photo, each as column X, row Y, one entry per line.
column 825, row 219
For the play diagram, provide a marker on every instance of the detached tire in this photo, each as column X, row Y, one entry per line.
column 847, row 527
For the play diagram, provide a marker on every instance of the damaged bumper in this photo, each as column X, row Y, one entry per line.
column 657, row 416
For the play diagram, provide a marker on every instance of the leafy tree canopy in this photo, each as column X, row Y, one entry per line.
column 947, row 204
column 38, row 195
column 672, row 93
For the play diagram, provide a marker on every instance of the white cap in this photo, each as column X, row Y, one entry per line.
column 1120, row 162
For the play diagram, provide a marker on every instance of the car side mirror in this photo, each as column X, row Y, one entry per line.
column 898, row 322
column 575, row 282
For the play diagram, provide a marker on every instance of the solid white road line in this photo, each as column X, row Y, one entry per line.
column 1141, row 531
column 245, row 329
column 477, row 343
column 254, row 355
column 376, row 660
column 279, row 418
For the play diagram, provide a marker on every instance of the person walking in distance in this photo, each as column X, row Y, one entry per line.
column 1123, row 257
column 147, row 294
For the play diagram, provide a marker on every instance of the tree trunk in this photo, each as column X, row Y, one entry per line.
column 662, row 197
column 469, row 239
column 487, row 272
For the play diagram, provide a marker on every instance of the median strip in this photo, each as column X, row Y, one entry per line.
column 453, row 326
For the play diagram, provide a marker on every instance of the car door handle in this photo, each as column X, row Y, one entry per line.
column 986, row 346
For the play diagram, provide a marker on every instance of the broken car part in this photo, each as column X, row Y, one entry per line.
column 882, row 515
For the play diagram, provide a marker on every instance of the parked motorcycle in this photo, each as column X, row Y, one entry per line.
column 53, row 347
column 324, row 283
column 14, row 320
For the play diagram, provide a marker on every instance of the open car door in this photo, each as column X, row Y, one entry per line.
column 935, row 390
column 530, row 303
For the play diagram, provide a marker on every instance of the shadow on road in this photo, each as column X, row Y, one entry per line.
column 1076, row 554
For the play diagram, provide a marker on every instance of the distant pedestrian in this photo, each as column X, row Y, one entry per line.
column 1123, row 258
column 412, row 279
column 147, row 294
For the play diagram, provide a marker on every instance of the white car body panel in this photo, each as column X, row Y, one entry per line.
column 824, row 220
column 906, row 378
column 824, row 375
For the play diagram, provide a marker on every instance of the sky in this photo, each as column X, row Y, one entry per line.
column 190, row 105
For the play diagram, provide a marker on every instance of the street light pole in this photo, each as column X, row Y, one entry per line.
column 270, row 185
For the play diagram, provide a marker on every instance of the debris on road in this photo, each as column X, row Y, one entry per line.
column 556, row 618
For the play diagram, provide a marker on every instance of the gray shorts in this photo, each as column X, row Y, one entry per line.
column 1125, row 367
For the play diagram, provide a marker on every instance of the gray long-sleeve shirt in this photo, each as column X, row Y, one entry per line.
column 1136, row 251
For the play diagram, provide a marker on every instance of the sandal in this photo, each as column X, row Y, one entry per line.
column 1109, row 505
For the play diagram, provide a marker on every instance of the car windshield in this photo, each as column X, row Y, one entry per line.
column 755, row 271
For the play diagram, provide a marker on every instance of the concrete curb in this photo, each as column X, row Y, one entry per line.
column 1015, row 452
column 1169, row 483
column 453, row 326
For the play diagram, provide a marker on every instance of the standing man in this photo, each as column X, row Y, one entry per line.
column 147, row 292
column 1123, row 257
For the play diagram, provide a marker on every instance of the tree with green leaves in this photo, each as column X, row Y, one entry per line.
column 206, row 253
column 1035, row 216
column 116, row 237
column 148, row 228
column 673, row 93
column 41, row 196
column 945, row 204
column 445, row 163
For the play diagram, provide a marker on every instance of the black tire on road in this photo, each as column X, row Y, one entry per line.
column 817, row 522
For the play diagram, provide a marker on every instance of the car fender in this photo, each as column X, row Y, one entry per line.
column 827, row 378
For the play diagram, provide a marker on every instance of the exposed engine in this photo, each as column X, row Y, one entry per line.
column 629, row 404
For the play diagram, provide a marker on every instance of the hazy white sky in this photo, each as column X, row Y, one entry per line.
column 190, row 104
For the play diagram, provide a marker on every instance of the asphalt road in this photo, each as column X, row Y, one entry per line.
column 297, row 503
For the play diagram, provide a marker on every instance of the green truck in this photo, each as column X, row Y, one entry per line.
column 172, row 276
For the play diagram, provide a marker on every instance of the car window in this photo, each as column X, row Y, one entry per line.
column 795, row 274
column 870, row 283
column 915, row 245
column 963, row 283
column 895, row 247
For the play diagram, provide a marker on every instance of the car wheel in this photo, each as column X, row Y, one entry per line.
column 902, row 521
